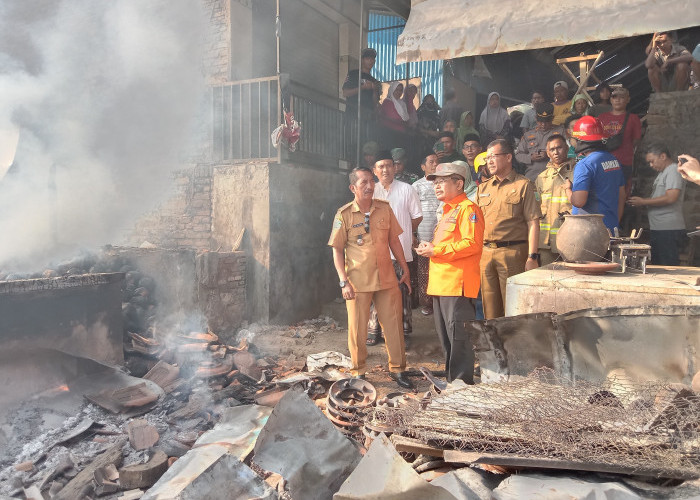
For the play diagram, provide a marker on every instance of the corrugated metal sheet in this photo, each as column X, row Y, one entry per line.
column 383, row 35
column 448, row 29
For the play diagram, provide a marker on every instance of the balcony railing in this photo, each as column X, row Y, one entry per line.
column 246, row 112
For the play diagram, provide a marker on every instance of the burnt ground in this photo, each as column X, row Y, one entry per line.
column 329, row 333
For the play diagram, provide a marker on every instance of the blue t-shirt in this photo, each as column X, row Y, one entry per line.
column 600, row 174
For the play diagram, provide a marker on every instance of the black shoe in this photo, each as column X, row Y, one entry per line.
column 402, row 380
column 373, row 338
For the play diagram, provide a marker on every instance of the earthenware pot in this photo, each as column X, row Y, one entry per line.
column 583, row 238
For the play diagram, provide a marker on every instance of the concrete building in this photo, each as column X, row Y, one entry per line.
column 281, row 202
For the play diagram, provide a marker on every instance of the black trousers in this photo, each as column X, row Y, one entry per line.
column 450, row 314
column 666, row 246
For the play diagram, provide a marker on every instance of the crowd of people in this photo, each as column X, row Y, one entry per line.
column 487, row 205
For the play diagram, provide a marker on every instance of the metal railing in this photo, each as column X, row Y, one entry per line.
column 245, row 113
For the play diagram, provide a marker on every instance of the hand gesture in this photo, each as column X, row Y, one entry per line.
column 689, row 168
column 348, row 292
column 406, row 280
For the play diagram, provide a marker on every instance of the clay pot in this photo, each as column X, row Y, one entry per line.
column 583, row 238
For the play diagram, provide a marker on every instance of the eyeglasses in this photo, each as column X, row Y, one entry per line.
column 472, row 146
column 494, row 155
column 442, row 180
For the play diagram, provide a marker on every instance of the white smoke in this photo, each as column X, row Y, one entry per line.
column 103, row 93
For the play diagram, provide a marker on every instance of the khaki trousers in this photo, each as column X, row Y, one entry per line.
column 388, row 306
column 497, row 265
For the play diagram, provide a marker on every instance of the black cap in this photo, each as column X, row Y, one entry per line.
column 545, row 112
column 383, row 155
column 470, row 138
column 369, row 52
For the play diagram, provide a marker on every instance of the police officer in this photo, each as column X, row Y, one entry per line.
column 532, row 150
column 550, row 189
column 512, row 229
column 363, row 232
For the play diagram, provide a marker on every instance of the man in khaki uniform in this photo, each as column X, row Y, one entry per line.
column 550, row 190
column 532, row 149
column 363, row 232
column 512, row 232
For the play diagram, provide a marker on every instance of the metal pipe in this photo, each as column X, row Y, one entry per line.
column 359, row 82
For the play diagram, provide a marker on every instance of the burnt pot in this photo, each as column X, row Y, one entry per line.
column 583, row 238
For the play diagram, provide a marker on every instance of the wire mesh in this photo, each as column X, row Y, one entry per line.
column 638, row 426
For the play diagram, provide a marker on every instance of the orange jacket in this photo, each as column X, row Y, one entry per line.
column 458, row 242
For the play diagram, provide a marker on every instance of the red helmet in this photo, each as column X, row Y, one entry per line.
column 589, row 128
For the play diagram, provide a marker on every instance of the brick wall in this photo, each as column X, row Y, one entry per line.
column 222, row 288
column 216, row 43
column 673, row 119
column 185, row 219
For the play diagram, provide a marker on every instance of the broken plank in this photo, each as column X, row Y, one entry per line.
column 144, row 475
column 122, row 399
column 198, row 336
column 163, row 374
column 73, row 489
column 410, row 445
column 131, row 495
column 472, row 457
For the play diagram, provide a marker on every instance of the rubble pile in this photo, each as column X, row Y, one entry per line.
column 127, row 437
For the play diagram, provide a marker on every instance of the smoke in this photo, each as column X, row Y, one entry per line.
column 105, row 97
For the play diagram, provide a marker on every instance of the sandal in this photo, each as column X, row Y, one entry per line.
column 373, row 338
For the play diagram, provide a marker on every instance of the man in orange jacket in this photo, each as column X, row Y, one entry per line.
column 454, row 275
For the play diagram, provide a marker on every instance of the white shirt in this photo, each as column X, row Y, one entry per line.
column 429, row 204
column 405, row 203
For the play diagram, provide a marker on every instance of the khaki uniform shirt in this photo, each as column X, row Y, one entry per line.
column 550, row 192
column 367, row 258
column 534, row 141
column 507, row 206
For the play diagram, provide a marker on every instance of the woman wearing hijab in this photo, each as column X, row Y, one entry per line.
column 579, row 105
column 394, row 117
column 466, row 126
column 408, row 96
column 429, row 121
column 494, row 122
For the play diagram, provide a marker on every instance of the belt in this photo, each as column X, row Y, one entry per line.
column 500, row 244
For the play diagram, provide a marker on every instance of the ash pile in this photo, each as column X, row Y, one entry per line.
column 124, row 437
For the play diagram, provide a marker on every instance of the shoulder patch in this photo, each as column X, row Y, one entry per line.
column 473, row 218
column 537, row 196
column 337, row 223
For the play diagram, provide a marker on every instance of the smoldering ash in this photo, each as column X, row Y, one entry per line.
column 98, row 100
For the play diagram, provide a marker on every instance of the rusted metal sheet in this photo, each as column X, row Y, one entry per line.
column 447, row 29
column 642, row 343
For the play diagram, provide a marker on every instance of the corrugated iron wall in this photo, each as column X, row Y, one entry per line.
column 383, row 33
